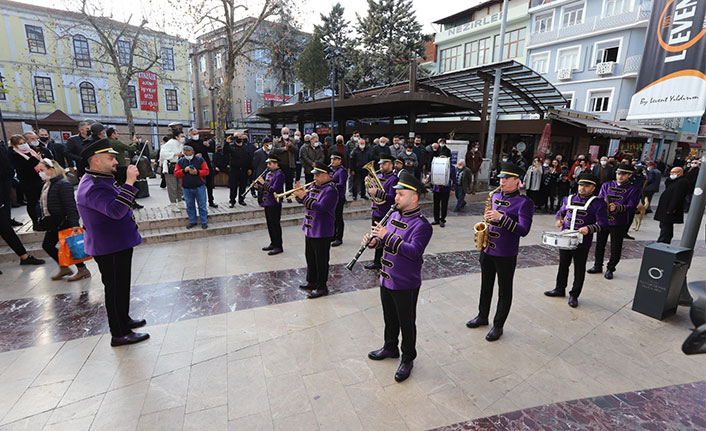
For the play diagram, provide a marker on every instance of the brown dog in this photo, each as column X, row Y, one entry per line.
column 640, row 212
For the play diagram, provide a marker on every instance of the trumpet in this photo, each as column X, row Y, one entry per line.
column 279, row 196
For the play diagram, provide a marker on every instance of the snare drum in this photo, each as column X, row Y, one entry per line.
column 562, row 240
column 440, row 171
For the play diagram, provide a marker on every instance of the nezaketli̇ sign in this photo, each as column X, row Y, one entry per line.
column 672, row 82
column 149, row 100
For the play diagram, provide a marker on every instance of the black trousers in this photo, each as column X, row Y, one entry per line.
column 288, row 177
column 616, row 245
column 378, row 251
column 6, row 231
column 237, row 182
column 273, row 214
column 441, row 206
column 339, row 224
column 115, row 271
column 209, row 185
column 51, row 239
column 399, row 309
column 358, row 184
column 666, row 232
column 316, row 251
column 504, row 267
column 579, row 256
column 32, row 195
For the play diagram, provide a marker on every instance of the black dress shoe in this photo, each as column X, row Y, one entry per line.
column 442, row 224
column 434, row 223
column 268, row 248
column 231, row 205
column 275, row 251
column 476, row 322
column 380, row 354
column 31, row 260
column 555, row 292
column 289, row 201
column 15, row 223
column 213, row 205
column 573, row 302
column 130, row 338
column 307, row 286
column 608, row 275
column 364, row 198
column 133, row 324
column 336, row 243
column 595, row 269
column 242, row 203
column 627, row 236
column 372, row 266
column 403, row 371
column 137, row 206
column 204, row 226
column 38, row 228
column 316, row 293
column 494, row 333
column 190, row 225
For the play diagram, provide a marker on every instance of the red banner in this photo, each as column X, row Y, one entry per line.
column 248, row 106
column 275, row 97
column 149, row 96
column 543, row 147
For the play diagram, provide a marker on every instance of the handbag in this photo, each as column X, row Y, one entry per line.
column 71, row 247
column 170, row 168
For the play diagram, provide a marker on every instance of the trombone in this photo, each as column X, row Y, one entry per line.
column 279, row 196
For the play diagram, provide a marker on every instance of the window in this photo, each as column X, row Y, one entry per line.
column 132, row 95
column 206, row 115
column 88, row 98
column 261, row 56
column 599, row 101
column 514, row 43
column 569, row 100
column 81, row 51
column 218, row 60
column 259, row 84
column 202, row 63
column 35, row 39
column 124, row 52
column 167, row 58
column 543, row 22
column 42, row 86
column 568, row 58
column 477, row 53
column 290, row 89
column 449, row 58
column 607, row 51
column 170, row 97
column 540, row 62
column 572, row 15
column 615, row 7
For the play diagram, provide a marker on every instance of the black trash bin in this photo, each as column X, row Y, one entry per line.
column 662, row 275
column 143, row 189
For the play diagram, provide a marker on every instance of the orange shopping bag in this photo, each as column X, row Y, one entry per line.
column 71, row 249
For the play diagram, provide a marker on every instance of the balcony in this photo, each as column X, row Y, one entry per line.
column 603, row 69
column 564, row 74
column 592, row 24
column 632, row 64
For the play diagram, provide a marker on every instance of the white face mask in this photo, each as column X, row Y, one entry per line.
column 546, row 165
column 694, row 165
column 382, row 144
column 36, row 144
column 673, row 176
column 267, row 148
column 195, row 137
column 189, row 157
column 361, row 146
column 355, row 139
column 604, row 162
column 43, row 176
column 285, row 136
column 296, row 138
column 318, row 144
column 182, row 140
column 23, row 147
column 409, row 153
column 504, row 159
column 442, row 145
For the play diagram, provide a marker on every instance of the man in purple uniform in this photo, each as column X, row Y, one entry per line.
column 340, row 177
column 403, row 241
column 386, row 195
column 111, row 233
column 319, row 218
column 271, row 184
column 622, row 199
column 509, row 218
column 586, row 214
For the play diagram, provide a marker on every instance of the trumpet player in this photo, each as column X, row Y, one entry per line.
column 340, row 177
column 271, row 184
column 319, row 217
column 402, row 240
column 591, row 216
column 509, row 218
column 382, row 196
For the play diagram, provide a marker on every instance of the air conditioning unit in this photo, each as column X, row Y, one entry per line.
column 605, row 68
column 564, row 74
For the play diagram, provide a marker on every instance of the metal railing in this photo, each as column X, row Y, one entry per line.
column 632, row 64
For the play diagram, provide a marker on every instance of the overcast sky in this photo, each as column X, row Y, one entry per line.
column 427, row 10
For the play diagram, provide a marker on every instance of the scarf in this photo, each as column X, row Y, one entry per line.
column 43, row 199
column 24, row 153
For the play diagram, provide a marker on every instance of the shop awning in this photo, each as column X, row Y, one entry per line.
column 634, row 130
column 593, row 125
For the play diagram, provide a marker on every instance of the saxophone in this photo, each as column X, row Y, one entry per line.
column 480, row 229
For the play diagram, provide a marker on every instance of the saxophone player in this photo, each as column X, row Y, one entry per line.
column 509, row 218
column 381, row 199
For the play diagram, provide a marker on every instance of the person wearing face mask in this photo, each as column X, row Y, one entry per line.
column 603, row 170
column 474, row 161
column 56, row 148
column 340, row 177
column 310, row 155
column 24, row 159
column 202, row 147
column 359, row 158
column 259, row 163
column 239, row 160
column 192, row 170
column 169, row 155
column 670, row 209
column 74, row 146
column 622, row 199
column 441, row 195
column 58, row 211
column 654, row 178
column 340, row 148
column 33, row 140
column 533, row 181
column 421, row 154
column 382, row 149
column 463, row 186
column 692, row 173
column 411, row 164
column 397, row 147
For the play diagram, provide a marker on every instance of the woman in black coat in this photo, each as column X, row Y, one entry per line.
column 58, row 212
column 24, row 159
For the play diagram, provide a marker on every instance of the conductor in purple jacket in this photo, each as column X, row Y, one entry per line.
column 402, row 241
column 319, row 201
column 111, row 234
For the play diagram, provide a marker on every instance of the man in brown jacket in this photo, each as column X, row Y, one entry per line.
column 474, row 160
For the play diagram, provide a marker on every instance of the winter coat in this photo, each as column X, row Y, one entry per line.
column 670, row 208
column 61, row 203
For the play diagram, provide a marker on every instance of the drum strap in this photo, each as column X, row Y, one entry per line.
column 576, row 208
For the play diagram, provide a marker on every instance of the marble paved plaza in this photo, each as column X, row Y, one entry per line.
column 234, row 345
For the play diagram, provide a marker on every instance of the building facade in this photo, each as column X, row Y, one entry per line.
column 52, row 68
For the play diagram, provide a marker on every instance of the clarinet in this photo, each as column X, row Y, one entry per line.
column 362, row 248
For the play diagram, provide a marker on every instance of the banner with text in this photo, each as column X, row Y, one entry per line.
column 149, row 100
column 671, row 82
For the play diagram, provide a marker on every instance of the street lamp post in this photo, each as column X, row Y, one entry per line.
column 2, row 121
column 213, row 89
column 331, row 54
